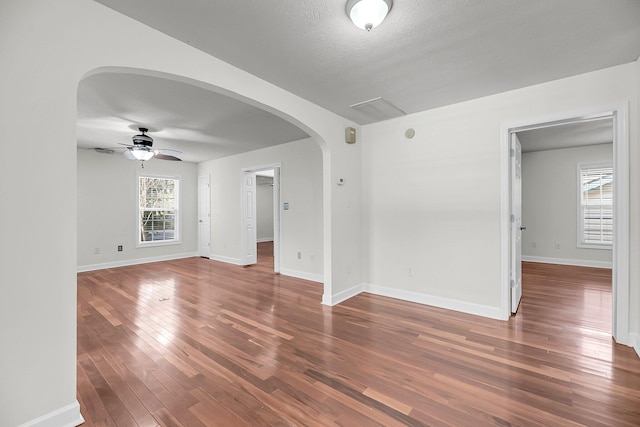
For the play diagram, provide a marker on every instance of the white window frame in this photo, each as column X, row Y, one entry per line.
column 581, row 243
column 177, row 223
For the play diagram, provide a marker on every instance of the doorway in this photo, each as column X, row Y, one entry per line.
column 265, row 224
column 204, row 216
column 261, row 215
column 620, row 259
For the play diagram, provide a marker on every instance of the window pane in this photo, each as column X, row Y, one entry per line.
column 158, row 201
column 596, row 204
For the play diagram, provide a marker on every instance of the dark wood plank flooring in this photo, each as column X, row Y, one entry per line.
column 196, row 342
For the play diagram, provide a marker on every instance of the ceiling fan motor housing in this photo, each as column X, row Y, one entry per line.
column 142, row 139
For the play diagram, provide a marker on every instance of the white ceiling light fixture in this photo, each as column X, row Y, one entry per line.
column 368, row 14
column 142, row 153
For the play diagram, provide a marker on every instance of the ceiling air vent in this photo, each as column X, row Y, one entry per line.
column 378, row 109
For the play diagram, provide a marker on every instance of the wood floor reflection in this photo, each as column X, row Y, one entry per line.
column 195, row 342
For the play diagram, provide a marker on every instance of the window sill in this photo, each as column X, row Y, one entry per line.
column 595, row 246
column 158, row 243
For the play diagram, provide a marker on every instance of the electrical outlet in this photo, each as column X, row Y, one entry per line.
column 557, row 245
column 299, row 255
column 96, row 251
column 119, row 248
column 534, row 245
column 410, row 271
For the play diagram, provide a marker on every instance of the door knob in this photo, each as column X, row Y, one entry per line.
column 523, row 228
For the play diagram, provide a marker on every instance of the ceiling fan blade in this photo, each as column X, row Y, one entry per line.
column 104, row 150
column 168, row 152
column 167, row 157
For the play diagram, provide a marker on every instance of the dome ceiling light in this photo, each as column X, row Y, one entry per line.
column 368, row 14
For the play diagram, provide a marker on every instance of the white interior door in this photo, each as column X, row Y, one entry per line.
column 249, row 232
column 276, row 220
column 204, row 216
column 516, row 222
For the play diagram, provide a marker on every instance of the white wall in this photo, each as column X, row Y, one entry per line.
column 107, row 210
column 433, row 203
column 300, row 186
column 634, row 226
column 46, row 49
column 264, row 208
column 550, row 203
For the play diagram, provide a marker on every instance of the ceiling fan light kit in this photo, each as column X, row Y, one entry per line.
column 368, row 14
column 141, row 153
column 141, row 149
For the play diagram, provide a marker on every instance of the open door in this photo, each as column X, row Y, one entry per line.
column 249, row 233
column 516, row 223
column 204, row 216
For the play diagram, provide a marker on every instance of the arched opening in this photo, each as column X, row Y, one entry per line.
column 210, row 88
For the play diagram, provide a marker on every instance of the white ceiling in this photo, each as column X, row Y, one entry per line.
column 203, row 125
column 567, row 135
column 427, row 53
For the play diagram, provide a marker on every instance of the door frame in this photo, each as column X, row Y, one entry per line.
column 208, row 179
column 620, row 269
column 515, row 230
column 276, row 210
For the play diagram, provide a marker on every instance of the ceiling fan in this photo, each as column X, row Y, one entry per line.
column 142, row 150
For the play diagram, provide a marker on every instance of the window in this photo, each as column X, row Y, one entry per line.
column 595, row 224
column 158, row 210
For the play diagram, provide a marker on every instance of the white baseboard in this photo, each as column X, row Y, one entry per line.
column 302, row 275
column 69, row 416
column 634, row 341
column 341, row 296
column 124, row 263
column 436, row 301
column 228, row 260
column 265, row 239
column 563, row 261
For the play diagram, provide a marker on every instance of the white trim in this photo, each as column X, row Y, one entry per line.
column 415, row 297
column 277, row 219
column 207, row 249
column 276, row 212
column 563, row 261
column 228, row 260
column 621, row 210
column 579, row 213
column 634, row 341
column 302, row 275
column 621, row 258
column 264, row 239
column 177, row 238
column 342, row 296
column 435, row 301
column 124, row 263
column 505, row 222
column 68, row 416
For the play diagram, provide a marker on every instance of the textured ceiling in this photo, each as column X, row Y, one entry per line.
column 427, row 53
column 567, row 135
column 203, row 125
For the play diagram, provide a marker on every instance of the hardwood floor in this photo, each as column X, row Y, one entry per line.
column 196, row 342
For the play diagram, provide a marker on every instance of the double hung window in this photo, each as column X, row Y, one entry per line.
column 595, row 216
column 158, row 201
